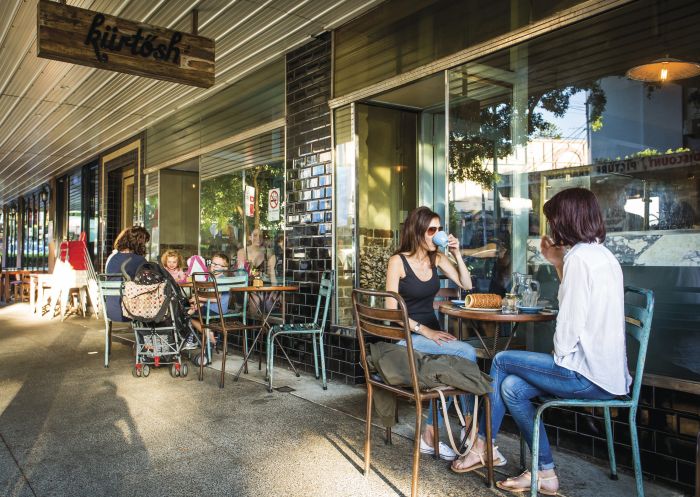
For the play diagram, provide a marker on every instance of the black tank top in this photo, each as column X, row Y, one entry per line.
column 419, row 295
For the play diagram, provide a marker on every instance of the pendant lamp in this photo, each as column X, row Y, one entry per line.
column 664, row 69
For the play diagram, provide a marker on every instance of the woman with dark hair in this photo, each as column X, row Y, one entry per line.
column 129, row 252
column 588, row 361
column 413, row 273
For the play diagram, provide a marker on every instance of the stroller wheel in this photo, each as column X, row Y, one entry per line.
column 146, row 370
column 136, row 372
column 174, row 372
column 184, row 370
column 195, row 360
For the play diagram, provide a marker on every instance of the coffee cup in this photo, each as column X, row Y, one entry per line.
column 440, row 239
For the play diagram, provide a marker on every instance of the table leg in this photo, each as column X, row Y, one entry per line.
column 32, row 292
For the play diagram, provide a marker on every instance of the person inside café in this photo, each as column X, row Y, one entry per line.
column 129, row 253
column 412, row 272
column 588, row 360
column 257, row 256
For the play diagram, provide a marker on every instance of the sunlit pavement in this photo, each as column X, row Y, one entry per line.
column 70, row 427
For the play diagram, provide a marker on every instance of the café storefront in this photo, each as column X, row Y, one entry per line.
column 481, row 111
column 486, row 134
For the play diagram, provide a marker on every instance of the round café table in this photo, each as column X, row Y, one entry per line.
column 475, row 320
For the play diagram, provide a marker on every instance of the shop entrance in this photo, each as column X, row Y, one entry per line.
column 179, row 208
column 401, row 165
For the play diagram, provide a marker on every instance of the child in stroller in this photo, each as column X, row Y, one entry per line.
column 158, row 309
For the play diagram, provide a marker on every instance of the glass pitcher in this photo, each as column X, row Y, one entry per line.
column 527, row 289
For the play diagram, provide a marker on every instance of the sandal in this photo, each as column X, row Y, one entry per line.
column 498, row 460
column 526, row 488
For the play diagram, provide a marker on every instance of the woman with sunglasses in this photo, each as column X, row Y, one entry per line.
column 413, row 273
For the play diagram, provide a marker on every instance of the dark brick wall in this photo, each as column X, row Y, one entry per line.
column 667, row 425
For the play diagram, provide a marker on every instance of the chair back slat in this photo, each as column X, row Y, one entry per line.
column 109, row 284
column 394, row 315
column 381, row 330
column 638, row 326
column 225, row 283
column 324, row 297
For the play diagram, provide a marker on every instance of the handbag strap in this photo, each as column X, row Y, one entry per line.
column 462, row 421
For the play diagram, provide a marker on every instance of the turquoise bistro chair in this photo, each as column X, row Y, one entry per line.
column 638, row 327
column 315, row 329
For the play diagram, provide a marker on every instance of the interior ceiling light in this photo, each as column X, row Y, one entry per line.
column 664, row 69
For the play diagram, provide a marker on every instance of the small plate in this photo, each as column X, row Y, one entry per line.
column 458, row 303
column 482, row 309
column 530, row 310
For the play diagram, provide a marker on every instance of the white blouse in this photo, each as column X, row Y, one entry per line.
column 590, row 334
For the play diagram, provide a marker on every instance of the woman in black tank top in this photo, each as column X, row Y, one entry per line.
column 413, row 274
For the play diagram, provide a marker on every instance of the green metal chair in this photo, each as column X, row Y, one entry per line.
column 638, row 326
column 109, row 286
column 315, row 329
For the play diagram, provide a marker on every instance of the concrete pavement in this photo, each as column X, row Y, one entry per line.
column 70, row 427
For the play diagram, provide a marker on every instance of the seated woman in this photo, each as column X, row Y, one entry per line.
column 588, row 361
column 173, row 262
column 412, row 273
column 257, row 256
column 129, row 252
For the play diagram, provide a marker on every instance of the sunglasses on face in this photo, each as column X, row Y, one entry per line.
column 433, row 229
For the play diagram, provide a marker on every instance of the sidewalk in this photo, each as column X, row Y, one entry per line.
column 71, row 428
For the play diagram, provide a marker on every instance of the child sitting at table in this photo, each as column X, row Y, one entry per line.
column 173, row 262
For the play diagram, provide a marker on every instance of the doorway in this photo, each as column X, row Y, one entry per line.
column 401, row 165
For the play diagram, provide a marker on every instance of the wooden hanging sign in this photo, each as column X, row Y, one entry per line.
column 80, row 36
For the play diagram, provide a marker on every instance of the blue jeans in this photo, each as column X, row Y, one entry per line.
column 518, row 376
column 455, row 347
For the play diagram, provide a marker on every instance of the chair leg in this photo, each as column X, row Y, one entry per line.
column 368, row 429
column 635, row 453
column 313, row 343
column 436, row 430
column 270, row 360
column 387, row 440
column 611, row 450
column 323, row 361
column 523, row 453
column 108, row 340
column 223, row 359
column 535, row 458
column 489, row 442
column 416, row 450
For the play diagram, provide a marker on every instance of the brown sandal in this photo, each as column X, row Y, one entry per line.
column 522, row 489
column 497, row 461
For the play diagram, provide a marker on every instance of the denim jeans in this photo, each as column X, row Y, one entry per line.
column 455, row 347
column 518, row 376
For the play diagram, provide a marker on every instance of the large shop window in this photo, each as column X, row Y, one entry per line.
column 559, row 112
column 242, row 187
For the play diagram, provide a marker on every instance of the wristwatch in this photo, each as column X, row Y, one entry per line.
column 416, row 328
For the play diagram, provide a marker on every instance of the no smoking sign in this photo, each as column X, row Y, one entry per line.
column 273, row 204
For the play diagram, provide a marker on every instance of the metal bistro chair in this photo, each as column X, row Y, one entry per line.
column 392, row 324
column 638, row 319
column 109, row 286
column 315, row 329
column 224, row 282
column 208, row 292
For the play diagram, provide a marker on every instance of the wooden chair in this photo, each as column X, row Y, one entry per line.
column 208, row 292
column 20, row 288
column 392, row 324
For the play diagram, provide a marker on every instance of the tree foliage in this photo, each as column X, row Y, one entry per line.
column 470, row 149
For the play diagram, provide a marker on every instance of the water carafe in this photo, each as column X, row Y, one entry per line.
column 527, row 289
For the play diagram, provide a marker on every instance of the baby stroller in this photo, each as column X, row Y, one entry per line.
column 157, row 307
